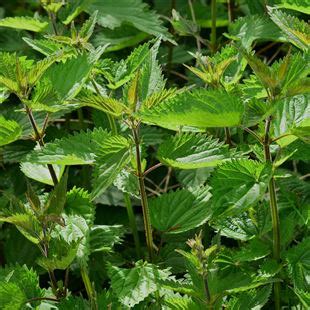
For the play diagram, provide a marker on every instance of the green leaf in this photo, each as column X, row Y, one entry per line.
column 113, row 155
column 57, row 198
column 24, row 22
column 181, row 303
column 119, row 73
column 207, row 108
column 79, row 219
column 11, row 296
column 79, row 149
column 113, row 14
column 23, row 282
column 61, row 254
column 19, row 73
column 180, row 211
column 150, row 79
column 190, row 151
column 68, row 77
column 253, row 299
column 88, row 27
column 296, row 5
column 41, row 173
column 119, row 38
column 247, row 225
column 304, row 297
column 193, row 177
column 255, row 28
column 237, row 186
column 75, row 232
column 79, row 203
column 292, row 119
column 73, row 303
column 10, row 131
column 4, row 93
column 296, row 30
column 106, row 104
column 104, row 237
column 127, row 183
column 286, row 77
column 49, row 47
column 133, row 285
column 27, row 224
column 254, row 250
column 298, row 258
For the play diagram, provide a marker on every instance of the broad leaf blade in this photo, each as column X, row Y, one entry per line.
column 296, row 30
column 68, row 78
column 200, row 108
column 238, row 185
column 191, row 151
column 180, row 211
column 10, row 131
column 113, row 155
column 41, row 173
column 113, row 14
column 292, row 119
column 134, row 285
column 25, row 23
column 79, row 149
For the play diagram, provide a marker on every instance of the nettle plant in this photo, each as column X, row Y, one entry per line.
column 225, row 227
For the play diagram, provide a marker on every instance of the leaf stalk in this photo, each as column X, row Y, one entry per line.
column 274, row 211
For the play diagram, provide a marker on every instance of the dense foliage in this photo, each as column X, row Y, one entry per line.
column 154, row 155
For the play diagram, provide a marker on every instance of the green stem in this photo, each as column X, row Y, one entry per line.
column 274, row 212
column 39, row 138
column 213, row 26
column 170, row 45
column 230, row 6
column 89, row 288
column 144, row 202
column 133, row 224
column 228, row 136
column 195, row 22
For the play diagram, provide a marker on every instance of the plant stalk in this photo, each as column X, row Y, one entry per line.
column 89, row 288
column 213, row 26
column 228, row 136
column 133, row 225
column 39, row 138
column 274, row 212
column 195, row 22
column 144, row 202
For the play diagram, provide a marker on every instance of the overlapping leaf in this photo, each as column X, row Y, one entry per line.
column 113, row 155
column 78, row 149
column 296, row 30
column 134, row 285
column 238, row 185
column 17, row 285
column 189, row 151
column 25, row 23
column 10, row 131
column 41, row 173
column 298, row 258
column 292, row 120
column 113, row 14
column 67, row 78
column 176, row 212
column 255, row 28
column 200, row 108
